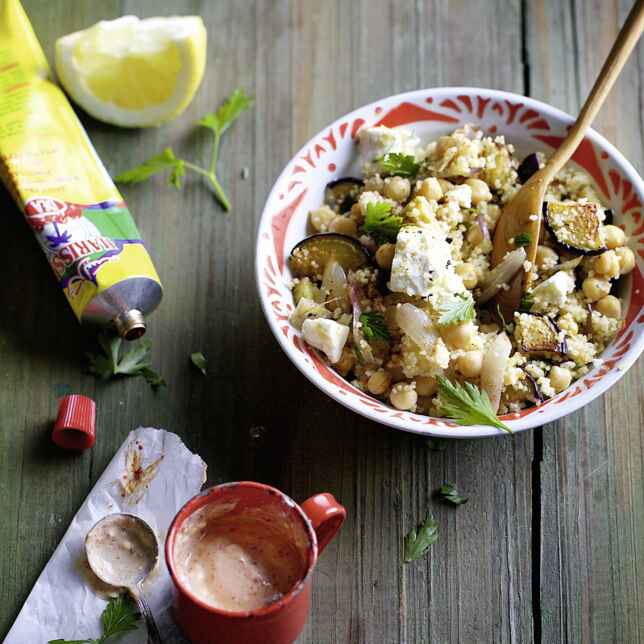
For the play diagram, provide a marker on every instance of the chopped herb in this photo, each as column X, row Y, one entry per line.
column 120, row 616
column 374, row 326
column 418, row 540
column 380, row 223
column 217, row 122
column 449, row 493
column 506, row 326
column 403, row 165
column 199, row 360
column 460, row 309
column 526, row 303
column 133, row 362
column 523, row 239
column 436, row 444
column 467, row 404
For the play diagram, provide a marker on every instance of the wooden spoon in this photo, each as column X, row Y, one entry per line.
column 523, row 214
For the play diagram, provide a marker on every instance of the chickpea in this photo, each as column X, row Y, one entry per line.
column 426, row 386
column 607, row 264
column 379, row 383
column 560, row 378
column 385, row 255
column 397, row 188
column 346, row 362
column 614, row 236
column 402, row 396
column 470, row 363
column 546, row 257
column 594, row 289
column 467, row 272
column 610, row 306
column 445, row 185
column 344, row 226
column 431, row 189
column 321, row 218
column 356, row 213
column 474, row 235
column 480, row 191
column 626, row 259
column 458, row 336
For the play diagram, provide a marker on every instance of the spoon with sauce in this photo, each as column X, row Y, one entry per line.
column 122, row 550
column 522, row 216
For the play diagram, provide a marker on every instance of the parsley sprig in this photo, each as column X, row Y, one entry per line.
column 419, row 540
column 217, row 122
column 523, row 239
column 395, row 163
column 449, row 493
column 120, row 616
column 459, row 309
column 467, row 404
column 374, row 326
column 198, row 359
column 380, row 223
column 133, row 362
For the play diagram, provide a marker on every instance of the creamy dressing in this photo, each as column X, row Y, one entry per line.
column 121, row 550
column 237, row 562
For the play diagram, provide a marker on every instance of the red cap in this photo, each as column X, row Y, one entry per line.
column 75, row 426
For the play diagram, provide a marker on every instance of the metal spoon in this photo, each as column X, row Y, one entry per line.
column 523, row 214
column 122, row 550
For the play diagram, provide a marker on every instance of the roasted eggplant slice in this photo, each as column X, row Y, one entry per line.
column 310, row 257
column 575, row 226
column 341, row 194
column 538, row 334
column 528, row 167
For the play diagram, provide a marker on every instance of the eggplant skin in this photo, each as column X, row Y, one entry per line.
column 538, row 335
column 310, row 257
column 528, row 167
column 577, row 227
column 341, row 194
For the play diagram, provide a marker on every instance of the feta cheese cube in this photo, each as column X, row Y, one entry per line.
column 421, row 254
column 553, row 292
column 327, row 336
column 461, row 194
column 375, row 142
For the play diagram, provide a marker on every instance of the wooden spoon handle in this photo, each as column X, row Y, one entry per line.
column 626, row 41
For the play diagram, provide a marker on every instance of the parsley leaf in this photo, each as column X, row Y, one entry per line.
column 217, row 122
column 523, row 239
column 526, row 303
column 380, row 223
column 467, row 404
column 374, row 326
column 418, row 540
column 199, row 360
column 459, row 309
column 133, row 362
column 403, row 165
column 449, row 493
column 120, row 616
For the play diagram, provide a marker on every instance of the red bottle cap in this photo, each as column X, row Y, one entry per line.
column 75, row 426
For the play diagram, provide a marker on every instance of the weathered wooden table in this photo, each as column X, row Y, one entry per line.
column 550, row 547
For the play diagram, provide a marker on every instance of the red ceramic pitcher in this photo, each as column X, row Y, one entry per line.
column 316, row 522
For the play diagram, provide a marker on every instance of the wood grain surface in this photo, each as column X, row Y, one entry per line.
column 550, row 547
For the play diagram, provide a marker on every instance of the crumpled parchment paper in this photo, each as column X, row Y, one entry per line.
column 63, row 603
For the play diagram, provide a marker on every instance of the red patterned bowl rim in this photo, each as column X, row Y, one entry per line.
column 496, row 112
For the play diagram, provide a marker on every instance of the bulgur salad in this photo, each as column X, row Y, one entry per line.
column 395, row 286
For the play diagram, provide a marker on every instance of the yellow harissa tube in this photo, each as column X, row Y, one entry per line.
column 51, row 169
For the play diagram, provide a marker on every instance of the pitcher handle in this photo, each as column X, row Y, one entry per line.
column 326, row 515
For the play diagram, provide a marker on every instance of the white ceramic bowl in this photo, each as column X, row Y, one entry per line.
column 529, row 125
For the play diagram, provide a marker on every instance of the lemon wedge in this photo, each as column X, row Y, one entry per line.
column 132, row 72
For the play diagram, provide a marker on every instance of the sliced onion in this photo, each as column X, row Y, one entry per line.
column 485, row 231
column 334, row 281
column 535, row 387
column 495, row 361
column 502, row 274
column 570, row 265
column 416, row 324
column 362, row 348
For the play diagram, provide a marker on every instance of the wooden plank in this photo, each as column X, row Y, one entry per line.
column 591, row 482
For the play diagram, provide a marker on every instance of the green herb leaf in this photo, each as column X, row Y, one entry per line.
column 460, row 309
column 436, row 444
column 133, row 362
column 449, row 493
column 374, row 326
column 418, row 540
column 523, row 239
column 199, row 360
column 159, row 163
column 403, row 165
column 526, row 303
column 467, row 404
column 227, row 113
column 380, row 223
